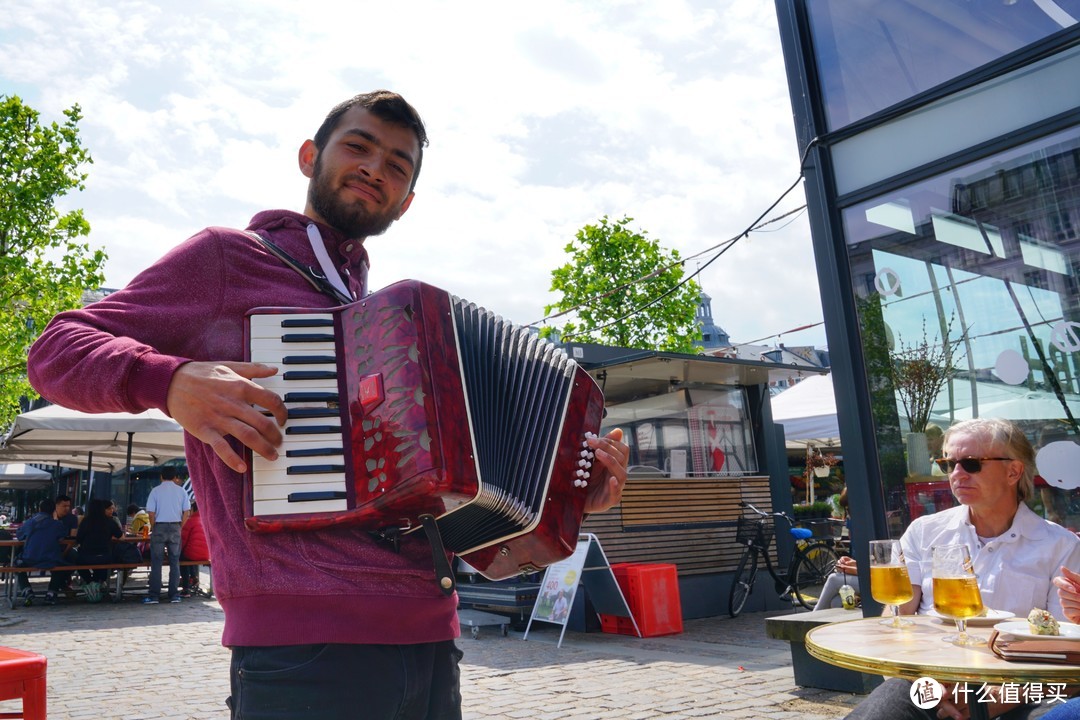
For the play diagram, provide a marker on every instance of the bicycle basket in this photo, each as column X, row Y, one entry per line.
column 825, row 529
column 755, row 530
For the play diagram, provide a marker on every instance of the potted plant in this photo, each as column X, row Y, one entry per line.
column 919, row 372
column 821, row 464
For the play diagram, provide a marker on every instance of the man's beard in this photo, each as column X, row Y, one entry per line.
column 351, row 219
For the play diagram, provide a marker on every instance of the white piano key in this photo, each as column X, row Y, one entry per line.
column 280, row 491
column 262, row 326
column 279, row 385
column 260, row 346
column 279, row 476
column 284, row 507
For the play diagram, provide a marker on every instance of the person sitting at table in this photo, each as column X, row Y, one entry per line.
column 193, row 546
column 137, row 520
column 1016, row 554
column 41, row 536
column 95, row 536
column 1068, row 588
column 846, row 573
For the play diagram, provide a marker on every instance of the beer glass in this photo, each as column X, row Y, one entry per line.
column 956, row 590
column 890, row 584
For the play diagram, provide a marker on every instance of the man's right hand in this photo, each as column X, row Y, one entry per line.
column 1068, row 585
column 215, row 400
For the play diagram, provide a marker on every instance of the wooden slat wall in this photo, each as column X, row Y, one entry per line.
column 686, row 521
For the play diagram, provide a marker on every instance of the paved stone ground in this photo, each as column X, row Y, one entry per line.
column 133, row 662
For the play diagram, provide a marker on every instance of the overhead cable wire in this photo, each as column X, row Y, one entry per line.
column 727, row 246
column 724, row 247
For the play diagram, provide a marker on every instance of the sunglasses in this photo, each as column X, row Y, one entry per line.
column 970, row 465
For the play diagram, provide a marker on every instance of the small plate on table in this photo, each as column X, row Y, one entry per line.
column 992, row 617
column 1020, row 629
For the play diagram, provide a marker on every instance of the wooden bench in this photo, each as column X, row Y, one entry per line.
column 9, row 573
column 808, row 670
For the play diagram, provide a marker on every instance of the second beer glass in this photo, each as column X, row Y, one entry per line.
column 890, row 584
column 956, row 590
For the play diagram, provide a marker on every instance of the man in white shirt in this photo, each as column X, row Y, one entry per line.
column 1016, row 553
column 168, row 507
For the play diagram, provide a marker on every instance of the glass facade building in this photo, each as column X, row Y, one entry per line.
column 941, row 145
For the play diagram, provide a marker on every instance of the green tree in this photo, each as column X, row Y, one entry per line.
column 621, row 288
column 44, row 267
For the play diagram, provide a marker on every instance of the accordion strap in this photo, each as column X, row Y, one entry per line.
column 316, row 280
column 443, row 574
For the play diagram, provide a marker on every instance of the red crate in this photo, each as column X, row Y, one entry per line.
column 652, row 592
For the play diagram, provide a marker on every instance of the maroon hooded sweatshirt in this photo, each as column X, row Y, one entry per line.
column 119, row 354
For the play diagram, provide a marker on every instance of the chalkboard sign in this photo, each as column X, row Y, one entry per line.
column 587, row 565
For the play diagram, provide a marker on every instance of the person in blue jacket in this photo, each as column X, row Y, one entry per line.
column 41, row 536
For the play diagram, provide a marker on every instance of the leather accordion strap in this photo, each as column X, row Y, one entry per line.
column 443, row 574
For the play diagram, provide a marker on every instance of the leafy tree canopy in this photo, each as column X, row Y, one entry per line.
column 44, row 266
column 622, row 289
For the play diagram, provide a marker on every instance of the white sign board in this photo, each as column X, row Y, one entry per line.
column 587, row 564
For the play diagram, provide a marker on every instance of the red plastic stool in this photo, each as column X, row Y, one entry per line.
column 22, row 675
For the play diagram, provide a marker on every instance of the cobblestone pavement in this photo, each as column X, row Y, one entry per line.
column 134, row 662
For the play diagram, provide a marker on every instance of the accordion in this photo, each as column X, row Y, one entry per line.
column 414, row 402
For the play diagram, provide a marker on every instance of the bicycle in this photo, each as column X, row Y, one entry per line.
column 811, row 563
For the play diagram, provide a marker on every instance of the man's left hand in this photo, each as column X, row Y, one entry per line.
column 609, row 473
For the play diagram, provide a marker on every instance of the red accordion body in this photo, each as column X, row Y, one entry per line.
column 413, row 402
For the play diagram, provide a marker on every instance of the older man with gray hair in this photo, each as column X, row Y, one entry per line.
column 1016, row 553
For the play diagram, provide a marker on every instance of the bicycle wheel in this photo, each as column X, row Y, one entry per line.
column 808, row 573
column 743, row 582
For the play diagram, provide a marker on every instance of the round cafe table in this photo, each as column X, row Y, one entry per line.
column 918, row 651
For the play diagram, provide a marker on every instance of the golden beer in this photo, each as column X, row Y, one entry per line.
column 957, row 597
column 890, row 584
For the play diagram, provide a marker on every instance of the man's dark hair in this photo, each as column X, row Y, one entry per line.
column 60, row 499
column 168, row 473
column 47, row 506
column 388, row 107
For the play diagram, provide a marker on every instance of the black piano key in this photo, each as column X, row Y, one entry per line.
column 312, row 412
column 307, row 338
column 307, row 322
column 310, row 375
column 313, row 430
column 314, row 469
column 301, row 397
column 313, row 452
column 309, row 360
column 319, row 495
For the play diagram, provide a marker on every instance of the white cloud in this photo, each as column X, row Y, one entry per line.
column 542, row 118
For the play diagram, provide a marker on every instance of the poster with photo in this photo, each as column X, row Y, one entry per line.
column 588, row 566
column 559, row 586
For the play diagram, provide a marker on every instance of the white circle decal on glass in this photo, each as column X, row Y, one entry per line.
column 1011, row 367
column 1066, row 336
column 887, row 281
column 1057, row 463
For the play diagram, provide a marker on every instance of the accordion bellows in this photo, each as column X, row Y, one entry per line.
column 447, row 409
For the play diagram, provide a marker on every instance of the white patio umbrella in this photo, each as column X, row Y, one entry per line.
column 59, row 435
column 1025, row 404
column 19, row 476
column 808, row 413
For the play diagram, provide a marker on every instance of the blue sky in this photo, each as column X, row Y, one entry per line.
column 542, row 117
